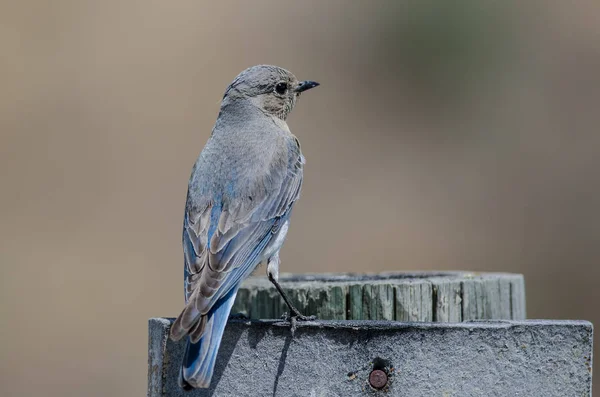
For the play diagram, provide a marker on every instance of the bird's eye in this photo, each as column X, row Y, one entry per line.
column 281, row 88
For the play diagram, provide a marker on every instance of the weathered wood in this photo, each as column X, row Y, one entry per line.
column 487, row 298
column 414, row 301
column 431, row 297
column 241, row 304
column 447, row 300
column 321, row 300
column 517, row 297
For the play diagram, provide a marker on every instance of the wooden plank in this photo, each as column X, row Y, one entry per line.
column 378, row 301
column 355, row 302
column 487, row 297
column 264, row 302
column 474, row 299
column 414, row 301
column 447, row 299
column 328, row 302
column 517, row 295
column 241, row 304
column 373, row 301
column 503, row 304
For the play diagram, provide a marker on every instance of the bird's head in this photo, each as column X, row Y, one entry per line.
column 272, row 89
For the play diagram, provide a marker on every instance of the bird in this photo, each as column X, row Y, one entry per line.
column 241, row 193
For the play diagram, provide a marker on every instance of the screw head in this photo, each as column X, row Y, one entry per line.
column 378, row 379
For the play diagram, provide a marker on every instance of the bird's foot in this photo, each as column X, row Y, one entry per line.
column 301, row 317
column 294, row 317
column 297, row 317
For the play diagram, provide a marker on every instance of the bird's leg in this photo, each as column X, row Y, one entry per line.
column 294, row 312
column 273, row 274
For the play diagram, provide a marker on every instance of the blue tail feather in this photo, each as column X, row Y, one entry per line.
column 199, row 358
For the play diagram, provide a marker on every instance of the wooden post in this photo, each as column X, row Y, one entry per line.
column 430, row 297
column 421, row 343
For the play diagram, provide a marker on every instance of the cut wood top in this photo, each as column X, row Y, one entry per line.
column 402, row 296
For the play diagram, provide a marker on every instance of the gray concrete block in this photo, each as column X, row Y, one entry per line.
column 335, row 358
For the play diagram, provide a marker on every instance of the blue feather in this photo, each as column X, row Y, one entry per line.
column 199, row 359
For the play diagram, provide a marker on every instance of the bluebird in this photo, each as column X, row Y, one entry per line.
column 240, row 197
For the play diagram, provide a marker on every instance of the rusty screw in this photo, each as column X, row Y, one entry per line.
column 378, row 379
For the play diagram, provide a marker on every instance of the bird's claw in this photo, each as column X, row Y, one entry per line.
column 294, row 318
column 297, row 316
column 301, row 317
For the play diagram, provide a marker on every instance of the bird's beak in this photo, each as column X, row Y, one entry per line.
column 305, row 85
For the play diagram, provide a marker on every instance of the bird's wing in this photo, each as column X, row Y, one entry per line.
column 223, row 241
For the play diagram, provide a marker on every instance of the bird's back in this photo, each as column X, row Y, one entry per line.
column 245, row 162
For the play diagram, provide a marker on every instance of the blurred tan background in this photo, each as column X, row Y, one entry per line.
column 461, row 136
